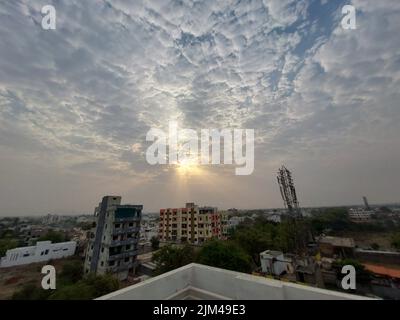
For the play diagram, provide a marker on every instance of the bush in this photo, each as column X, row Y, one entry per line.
column 90, row 287
column 155, row 243
column 79, row 291
column 172, row 257
column 54, row 237
column 225, row 255
column 7, row 244
column 396, row 241
column 72, row 271
column 31, row 291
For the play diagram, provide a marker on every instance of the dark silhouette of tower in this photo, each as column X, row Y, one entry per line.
column 366, row 203
column 288, row 191
column 299, row 234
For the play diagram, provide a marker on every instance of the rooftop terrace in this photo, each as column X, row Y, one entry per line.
column 197, row 282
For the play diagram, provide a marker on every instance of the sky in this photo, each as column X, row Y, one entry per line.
column 77, row 102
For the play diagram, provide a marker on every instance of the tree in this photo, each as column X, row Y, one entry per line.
column 90, row 287
column 78, row 291
column 155, row 243
column 102, row 284
column 396, row 241
column 54, row 237
column 254, row 239
column 335, row 219
column 226, row 255
column 7, row 244
column 31, row 291
column 7, row 234
column 86, row 226
column 172, row 257
column 72, row 271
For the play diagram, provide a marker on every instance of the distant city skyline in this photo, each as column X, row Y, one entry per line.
column 76, row 102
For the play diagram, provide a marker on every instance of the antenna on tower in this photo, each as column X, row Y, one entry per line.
column 366, row 204
column 288, row 191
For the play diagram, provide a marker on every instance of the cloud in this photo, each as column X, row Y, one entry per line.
column 82, row 98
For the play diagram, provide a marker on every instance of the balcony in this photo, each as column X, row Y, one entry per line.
column 123, row 255
column 196, row 282
column 127, row 219
column 116, row 243
column 124, row 266
column 125, row 230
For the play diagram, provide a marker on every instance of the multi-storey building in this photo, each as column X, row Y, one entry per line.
column 192, row 224
column 113, row 244
column 360, row 215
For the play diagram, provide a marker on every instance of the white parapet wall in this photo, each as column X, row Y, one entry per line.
column 196, row 281
column 43, row 251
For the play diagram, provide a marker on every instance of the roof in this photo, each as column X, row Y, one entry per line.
column 195, row 281
column 338, row 241
column 384, row 271
column 273, row 253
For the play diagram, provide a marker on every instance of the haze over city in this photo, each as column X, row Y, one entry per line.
column 77, row 102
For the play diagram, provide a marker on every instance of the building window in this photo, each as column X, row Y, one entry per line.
column 111, row 263
column 102, row 249
column 102, row 263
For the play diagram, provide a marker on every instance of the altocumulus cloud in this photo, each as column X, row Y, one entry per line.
column 81, row 98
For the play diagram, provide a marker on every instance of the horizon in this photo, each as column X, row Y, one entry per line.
column 355, row 205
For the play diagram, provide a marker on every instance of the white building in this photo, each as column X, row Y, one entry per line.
column 360, row 215
column 234, row 221
column 43, row 251
column 51, row 219
column 274, row 217
column 276, row 263
column 199, row 282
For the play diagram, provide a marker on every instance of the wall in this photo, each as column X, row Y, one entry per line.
column 378, row 256
column 43, row 251
column 224, row 284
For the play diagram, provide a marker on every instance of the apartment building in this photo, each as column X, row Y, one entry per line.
column 360, row 215
column 113, row 244
column 192, row 224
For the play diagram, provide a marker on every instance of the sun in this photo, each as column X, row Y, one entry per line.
column 188, row 167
